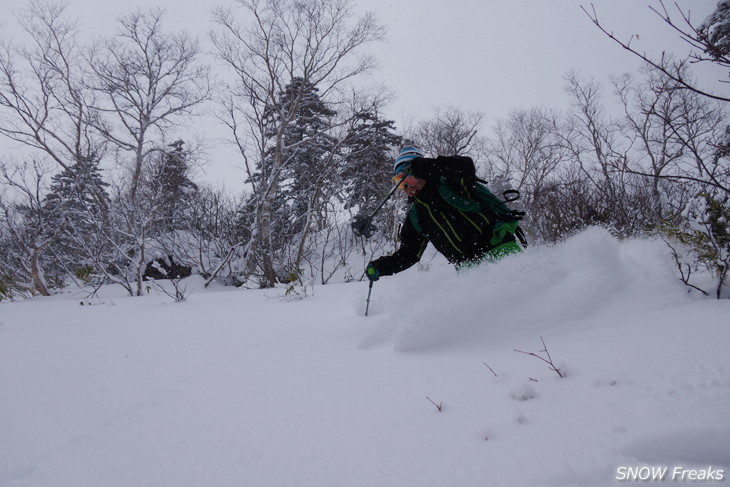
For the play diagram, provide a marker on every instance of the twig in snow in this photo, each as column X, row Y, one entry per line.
column 495, row 374
column 439, row 406
column 684, row 277
column 548, row 361
column 179, row 292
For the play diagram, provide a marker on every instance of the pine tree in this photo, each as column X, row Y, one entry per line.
column 80, row 188
column 715, row 32
column 170, row 177
column 368, row 169
column 79, row 201
column 308, row 154
column 308, row 149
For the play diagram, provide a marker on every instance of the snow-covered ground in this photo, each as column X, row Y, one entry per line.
column 244, row 388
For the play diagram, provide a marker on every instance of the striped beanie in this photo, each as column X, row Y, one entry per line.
column 403, row 161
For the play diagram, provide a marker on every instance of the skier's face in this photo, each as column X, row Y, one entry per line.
column 410, row 184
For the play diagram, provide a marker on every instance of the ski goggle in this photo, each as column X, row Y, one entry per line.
column 404, row 180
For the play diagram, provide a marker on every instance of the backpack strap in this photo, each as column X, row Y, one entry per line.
column 507, row 220
column 520, row 234
column 413, row 216
column 457, row 198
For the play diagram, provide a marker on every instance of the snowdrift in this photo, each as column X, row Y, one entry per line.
column 581, row 283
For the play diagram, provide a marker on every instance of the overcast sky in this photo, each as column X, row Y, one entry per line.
column 488, row 56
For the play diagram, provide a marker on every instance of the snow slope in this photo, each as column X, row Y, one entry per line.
column 244, row 388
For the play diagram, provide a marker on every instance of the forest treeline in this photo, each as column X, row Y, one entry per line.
column 103, row 190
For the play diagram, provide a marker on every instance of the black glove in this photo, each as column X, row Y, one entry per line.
column 362, row 226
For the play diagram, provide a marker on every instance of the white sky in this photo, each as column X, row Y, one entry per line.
column 490, row 56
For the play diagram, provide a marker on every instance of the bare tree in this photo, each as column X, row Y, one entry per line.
column 315, row 42
column 602, row 148
column 146, row 80
column 31, row 226
column 709, row 43
column 594, row 140
column 213, row 228
column 44, row 107
column 450, row 131
column 674, row 130
column 43, row 102
column 528, row 149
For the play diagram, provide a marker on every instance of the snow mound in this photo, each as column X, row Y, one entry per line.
column 589, row 274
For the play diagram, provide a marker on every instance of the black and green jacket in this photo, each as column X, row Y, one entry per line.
column 448, row 213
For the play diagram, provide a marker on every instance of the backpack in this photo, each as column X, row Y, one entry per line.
column 506, row 221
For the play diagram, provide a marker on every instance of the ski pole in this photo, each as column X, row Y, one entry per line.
column 370, row 290
column 363, row 225
column 386, row 198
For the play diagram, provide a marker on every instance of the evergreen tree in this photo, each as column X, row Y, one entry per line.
column 715, row 32
column 170, row 178
column 706, row 233
column 308, row 151
column 308, row 154
column 368, row 169
column 81, row 189
column 78, row 201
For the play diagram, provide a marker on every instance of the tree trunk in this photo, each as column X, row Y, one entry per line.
column 267, row 251
column 37, row 272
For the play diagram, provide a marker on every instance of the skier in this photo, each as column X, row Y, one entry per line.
column 450, row 210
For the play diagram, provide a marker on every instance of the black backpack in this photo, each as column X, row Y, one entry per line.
column 506, row 221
